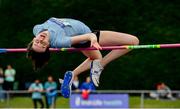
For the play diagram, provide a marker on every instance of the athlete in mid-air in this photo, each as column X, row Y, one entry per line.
column 65, row 32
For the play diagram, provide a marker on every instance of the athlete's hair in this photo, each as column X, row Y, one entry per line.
column 38, row 59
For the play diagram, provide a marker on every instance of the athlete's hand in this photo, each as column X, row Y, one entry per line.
column 94, row 42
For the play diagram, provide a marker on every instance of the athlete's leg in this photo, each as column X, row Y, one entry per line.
column 69, row 75
column 92, row 55
column 109, row 38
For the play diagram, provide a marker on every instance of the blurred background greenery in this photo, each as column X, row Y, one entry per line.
column 152, row 21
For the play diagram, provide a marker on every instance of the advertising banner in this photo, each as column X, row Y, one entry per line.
column 100, row 101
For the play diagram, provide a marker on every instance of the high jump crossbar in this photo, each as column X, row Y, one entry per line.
column 177, row 45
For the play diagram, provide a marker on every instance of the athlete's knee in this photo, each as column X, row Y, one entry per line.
column 96, row 57
column 135, row 40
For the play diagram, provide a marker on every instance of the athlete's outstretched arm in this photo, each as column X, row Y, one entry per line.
column 86, row 37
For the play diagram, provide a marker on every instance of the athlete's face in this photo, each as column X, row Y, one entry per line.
column 41, row 42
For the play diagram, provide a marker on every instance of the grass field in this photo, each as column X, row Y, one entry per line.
column 26, row 102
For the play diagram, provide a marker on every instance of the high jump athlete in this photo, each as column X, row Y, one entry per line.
column 65, row 32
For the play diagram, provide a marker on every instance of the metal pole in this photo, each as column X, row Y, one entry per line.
column 142, row 100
